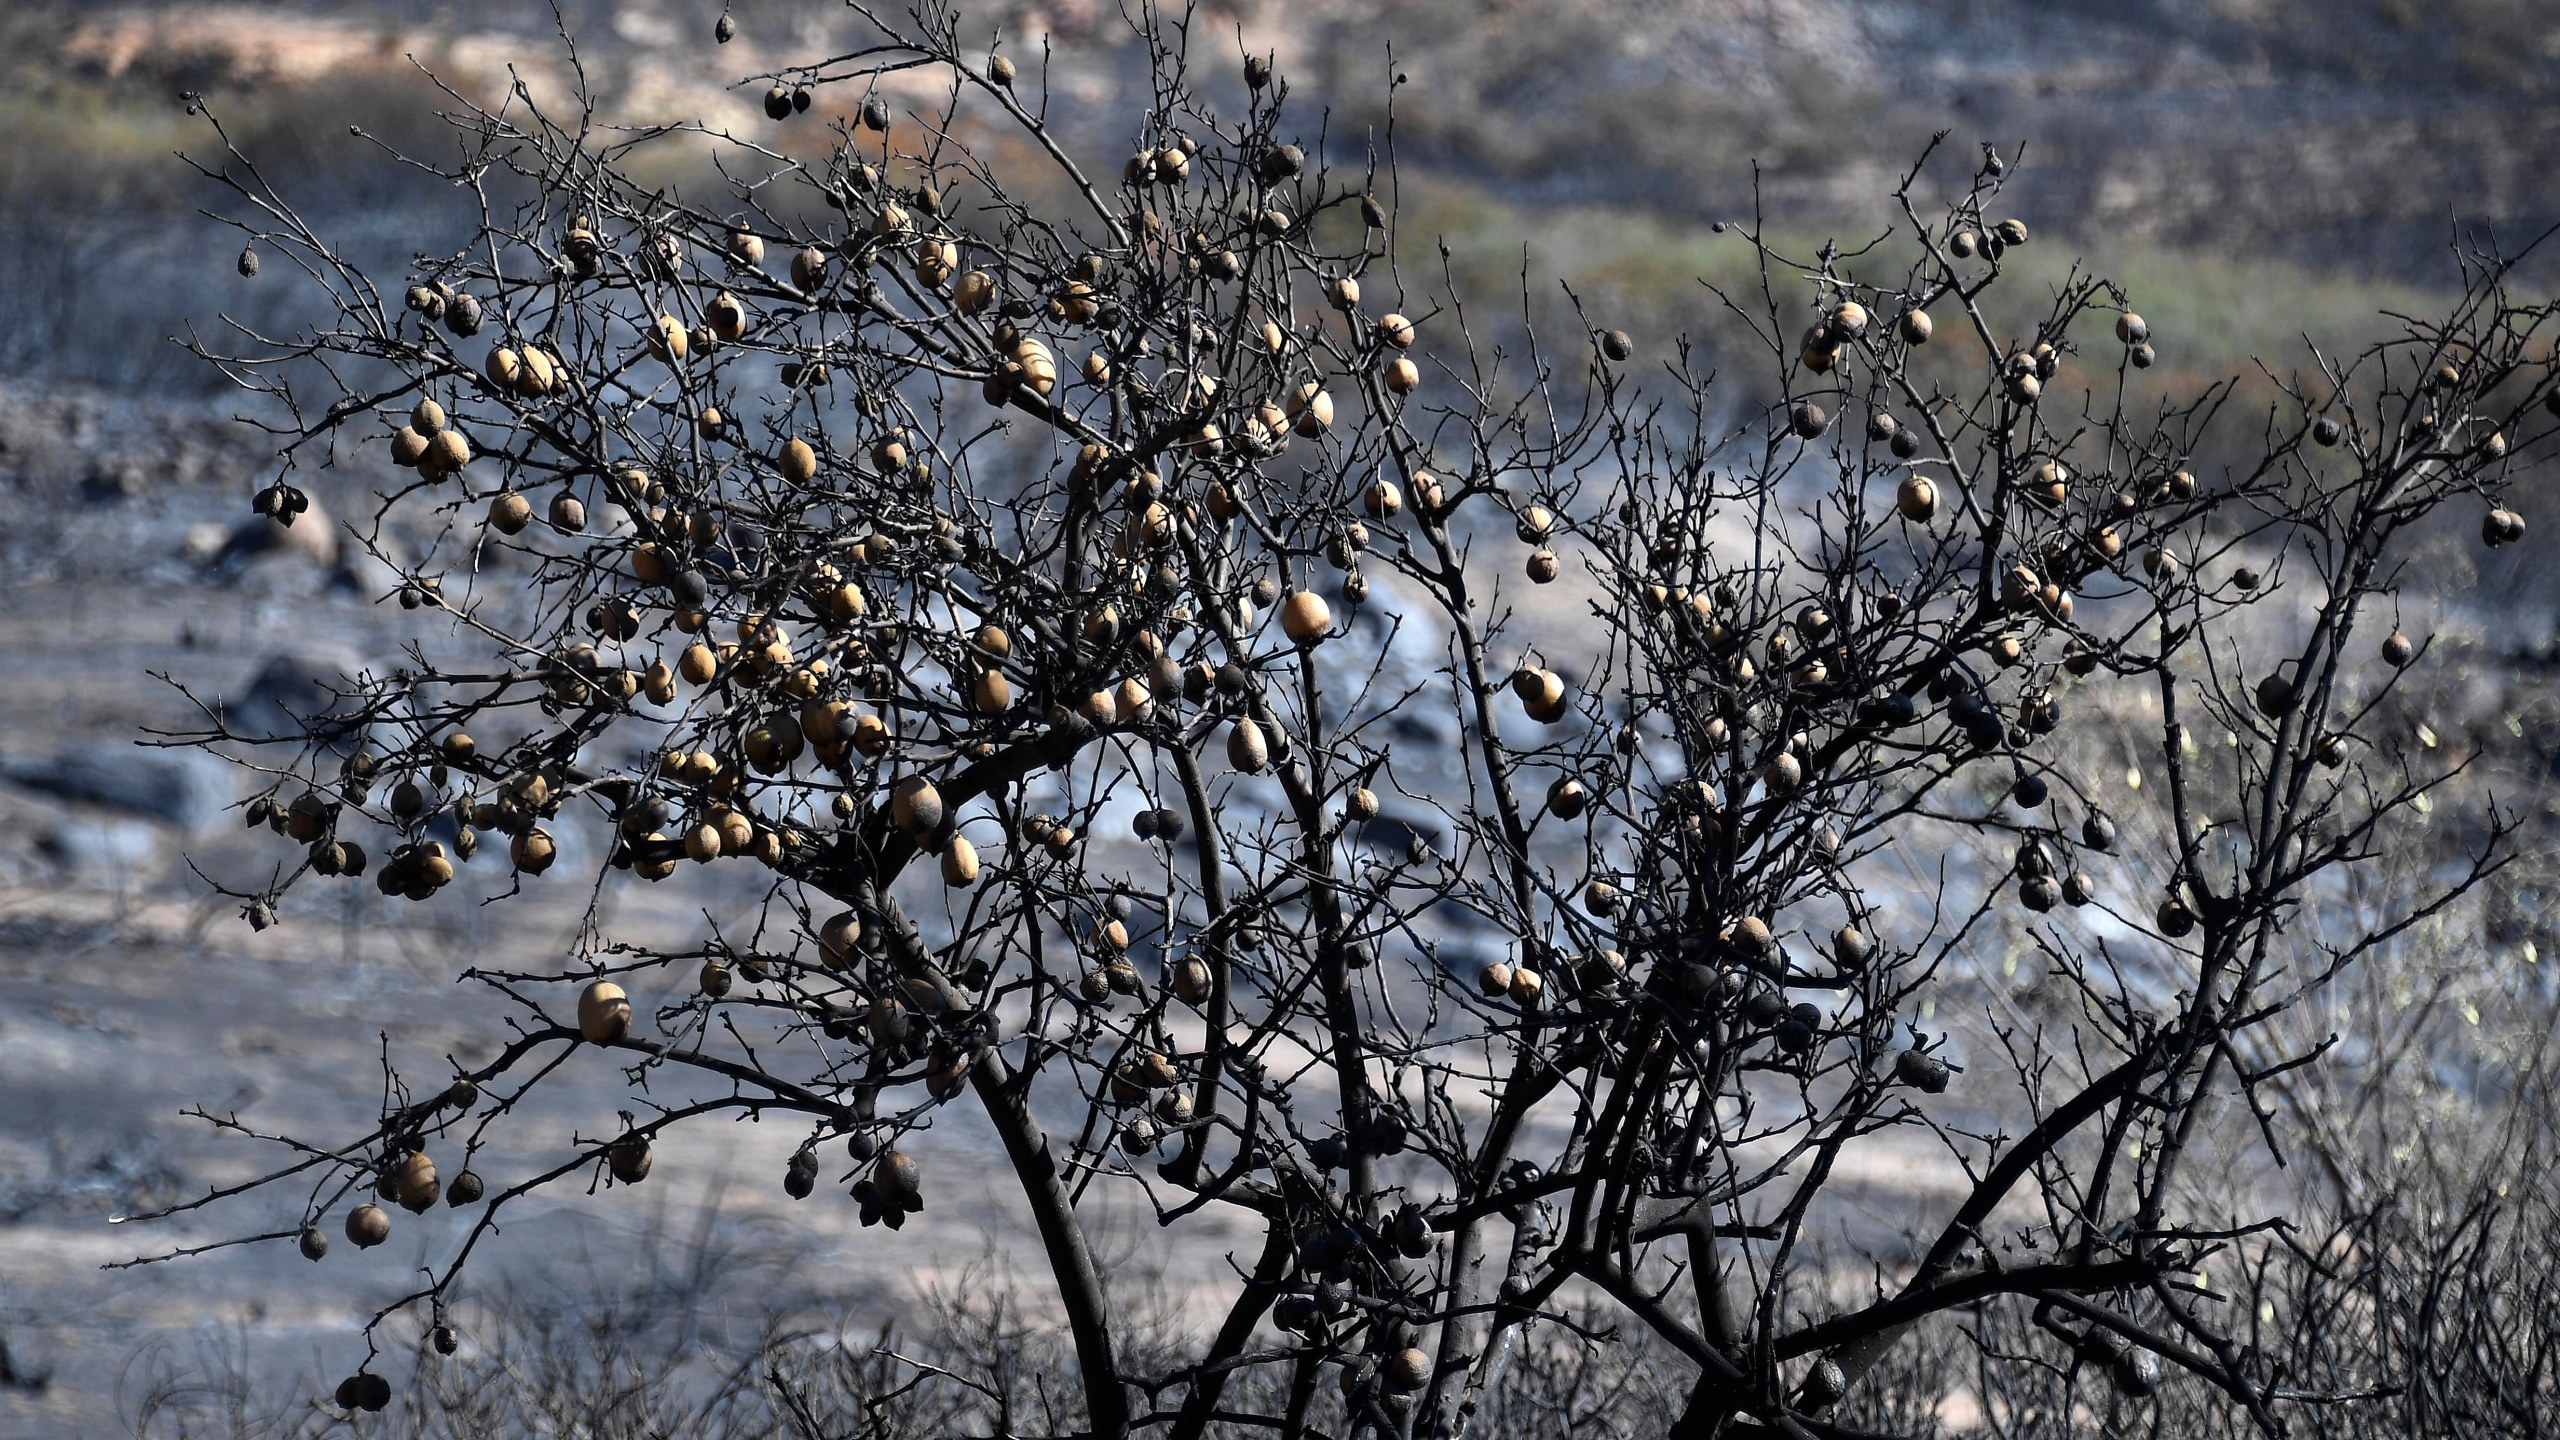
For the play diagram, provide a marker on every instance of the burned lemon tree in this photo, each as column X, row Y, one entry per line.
column 1514, row 825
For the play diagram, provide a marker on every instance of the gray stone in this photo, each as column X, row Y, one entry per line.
column 293, row 697
column 101, row 847
column 312, row 537
column 185, row 788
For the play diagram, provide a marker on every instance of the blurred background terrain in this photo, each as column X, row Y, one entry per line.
column 2252, row 170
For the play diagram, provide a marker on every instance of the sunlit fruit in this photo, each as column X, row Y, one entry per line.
column 509, row 512
column 368, row 1225
column 798, row 463
column 604, row 1012
column 915, row 805
column 667, row 339
column 1246, row 749
column 960, row 863
column 1305, row 617
column 413, row 1182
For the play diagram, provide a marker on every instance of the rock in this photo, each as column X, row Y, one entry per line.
column 203, row 544
column 365, row 573
column 185, row 788
column 114, row 479
column 1397, row 838
column 293, row 696
column 312, row 537
column 101, row 846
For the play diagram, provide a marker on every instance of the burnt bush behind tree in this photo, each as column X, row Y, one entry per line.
column 867, row 530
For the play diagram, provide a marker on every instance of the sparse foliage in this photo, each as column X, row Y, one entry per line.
column 1109, row 614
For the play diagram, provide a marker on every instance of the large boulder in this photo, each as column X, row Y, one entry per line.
column 101, row 848
column 312, row 537
column 185, row 788
column 292, row 697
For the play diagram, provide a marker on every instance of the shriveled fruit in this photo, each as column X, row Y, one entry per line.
column 368, row 1225
column 1246, row 749
column 668, row 340
column 1921, row 1071
column 1309, row 409
column 797, row 463
column 413, row 1182
column 509, row 512
column 447, row 451
column 915, row 805
column 1192, row 981
column 629, row 1158
column 1305, row 617
column 542, row 374
column 1783, row 774
column 1540, row 690
column 408, row 447
column 604, row 1012
column 837, row 937
column 533, row 851
column 1850, row 948
column 2175, row 919
column 1566, row 798
column 2274, row 695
